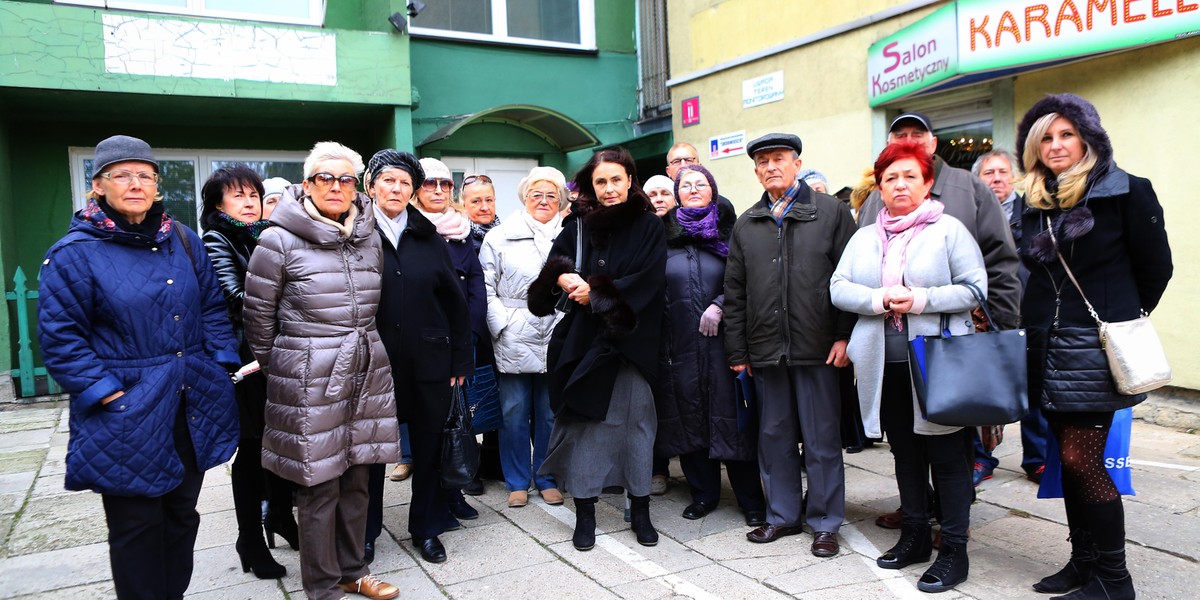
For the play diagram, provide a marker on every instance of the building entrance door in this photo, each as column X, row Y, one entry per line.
column 505, row 174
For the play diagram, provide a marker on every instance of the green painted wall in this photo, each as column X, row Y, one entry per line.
column 597, row 89
column 7, row 244
column 61, row 47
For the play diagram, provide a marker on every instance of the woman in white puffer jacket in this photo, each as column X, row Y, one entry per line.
column 512, row 255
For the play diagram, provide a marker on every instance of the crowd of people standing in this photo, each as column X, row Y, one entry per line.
column 627, row 324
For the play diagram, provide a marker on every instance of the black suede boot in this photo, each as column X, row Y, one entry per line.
column 915, row 546
column 1083, row 554
column 279, row 519
column 639, row 512
column 246, row 483
column 585, row 524
column 1110, row 577
column 949, row 570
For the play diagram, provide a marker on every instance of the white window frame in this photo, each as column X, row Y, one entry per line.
column 197, row 8
column 202, row 158
column 587, row 30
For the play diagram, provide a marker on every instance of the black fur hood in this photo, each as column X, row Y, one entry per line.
column 1086, row 120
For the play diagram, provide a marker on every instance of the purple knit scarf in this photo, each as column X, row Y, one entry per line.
column 701, row 224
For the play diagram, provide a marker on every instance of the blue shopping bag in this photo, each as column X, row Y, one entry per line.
column 1116, row 458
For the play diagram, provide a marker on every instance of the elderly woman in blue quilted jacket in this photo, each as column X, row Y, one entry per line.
column 133, row 326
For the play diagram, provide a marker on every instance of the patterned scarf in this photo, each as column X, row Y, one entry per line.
column 896, row 233
column 701, row 225
column 478, row 231
column 254, row 229
column 107, row 219
column 781, row 206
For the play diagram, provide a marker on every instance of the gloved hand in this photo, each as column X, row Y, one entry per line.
column 711, row 320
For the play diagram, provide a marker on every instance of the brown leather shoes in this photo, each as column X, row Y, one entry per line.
column 769, row 533
column 892, row 520
column 371, row 587
column 825, row 544
column 401, row 472
column 552, row 496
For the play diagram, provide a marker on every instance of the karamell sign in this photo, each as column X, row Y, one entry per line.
column 974, row 36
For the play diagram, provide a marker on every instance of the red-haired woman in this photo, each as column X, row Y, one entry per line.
column 901, row 276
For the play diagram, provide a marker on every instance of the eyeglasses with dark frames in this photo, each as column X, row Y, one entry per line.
column 684, row 160
column 328, row 179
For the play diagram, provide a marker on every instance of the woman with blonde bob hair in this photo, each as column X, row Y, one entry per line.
column 512, row 256
column 1086, row 214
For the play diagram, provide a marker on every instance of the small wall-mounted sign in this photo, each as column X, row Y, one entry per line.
column 726, row 145
column 691, row 111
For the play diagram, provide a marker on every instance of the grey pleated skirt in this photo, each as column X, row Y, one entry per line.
column 586, row 457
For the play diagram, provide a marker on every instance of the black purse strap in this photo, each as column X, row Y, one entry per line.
column 579, row 246
column 982, row 300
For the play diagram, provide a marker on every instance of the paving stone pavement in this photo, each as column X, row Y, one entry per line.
column 52, row 542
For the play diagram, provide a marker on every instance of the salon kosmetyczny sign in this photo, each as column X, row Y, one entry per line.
column 987, row 35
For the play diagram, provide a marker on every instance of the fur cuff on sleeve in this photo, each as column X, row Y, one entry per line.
column 542, row 296
column 619, row 319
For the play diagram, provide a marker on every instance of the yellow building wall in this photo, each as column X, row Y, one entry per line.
column 1144, row 96
column 1146, row 99
column 825, row 84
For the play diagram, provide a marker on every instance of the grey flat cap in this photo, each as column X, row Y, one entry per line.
column 774, row 141
column 121, row 148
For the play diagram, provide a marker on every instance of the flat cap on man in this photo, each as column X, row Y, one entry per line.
column 774, row 141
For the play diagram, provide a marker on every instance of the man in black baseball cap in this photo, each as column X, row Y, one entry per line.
column 913, row 127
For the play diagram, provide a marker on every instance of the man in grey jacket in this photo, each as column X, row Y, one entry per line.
column 781, row 324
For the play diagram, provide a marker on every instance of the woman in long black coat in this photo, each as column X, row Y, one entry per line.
column 232, row 222
column 426, row 330
column 696, row 403
column 603, row 355
column 1107, row 225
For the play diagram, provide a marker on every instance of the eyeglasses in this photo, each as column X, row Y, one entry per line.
column 477, row 179
column 433, row 184
column 126, row 177
column 688, row 188
column 328, row 179
column 684, row 160
column 539, row 197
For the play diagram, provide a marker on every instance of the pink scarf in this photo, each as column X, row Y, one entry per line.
column 895, row 247
column 451, row 224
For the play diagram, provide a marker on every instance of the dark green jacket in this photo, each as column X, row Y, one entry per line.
column 777, row 307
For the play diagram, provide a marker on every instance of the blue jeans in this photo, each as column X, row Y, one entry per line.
column 525, row 404
column 405, row 445
column 1033, row 438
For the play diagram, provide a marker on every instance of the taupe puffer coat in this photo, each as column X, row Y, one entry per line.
column 311, row 297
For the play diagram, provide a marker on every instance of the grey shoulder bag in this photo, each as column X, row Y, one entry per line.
column 1135, row 354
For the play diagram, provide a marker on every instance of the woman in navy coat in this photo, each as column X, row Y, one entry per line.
column 133, row 326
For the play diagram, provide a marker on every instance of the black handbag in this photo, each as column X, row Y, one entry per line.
column 460, row 452
column 483, row 400
column 971, row 380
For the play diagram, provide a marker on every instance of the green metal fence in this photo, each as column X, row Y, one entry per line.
column 26, row 374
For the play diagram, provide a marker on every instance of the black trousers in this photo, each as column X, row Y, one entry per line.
column 704, row 478
column 151, row 540
column 429, row 510
column 947, row 456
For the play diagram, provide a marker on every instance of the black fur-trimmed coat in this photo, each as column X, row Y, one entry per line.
column 624, row 263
